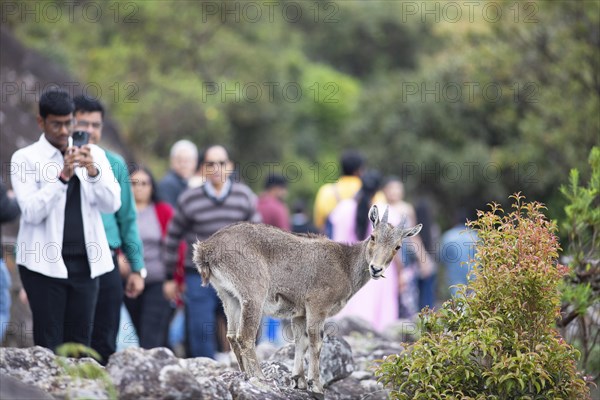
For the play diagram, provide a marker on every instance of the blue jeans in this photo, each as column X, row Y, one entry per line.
column 177, row 329
column 427, row 291
column 201, row 323
column 5, row 284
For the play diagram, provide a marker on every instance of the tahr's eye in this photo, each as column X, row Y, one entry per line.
column 372, row 238
column 398, row 247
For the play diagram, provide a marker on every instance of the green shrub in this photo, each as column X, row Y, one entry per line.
column 496, row 339
column 581, row 287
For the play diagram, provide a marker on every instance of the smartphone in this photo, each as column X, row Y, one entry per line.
column 80, row 138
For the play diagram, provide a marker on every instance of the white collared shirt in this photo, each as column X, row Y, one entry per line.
column 34, row 172
column 212, row 192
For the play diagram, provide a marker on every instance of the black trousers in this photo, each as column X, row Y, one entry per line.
column 62, row 309
column 108, row 313
column 151, row 314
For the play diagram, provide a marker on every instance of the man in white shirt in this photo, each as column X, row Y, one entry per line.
column 61, row 245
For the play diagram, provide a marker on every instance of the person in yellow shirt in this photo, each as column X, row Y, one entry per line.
column 330, row 194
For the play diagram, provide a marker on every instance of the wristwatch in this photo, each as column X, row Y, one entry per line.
column 142, row 272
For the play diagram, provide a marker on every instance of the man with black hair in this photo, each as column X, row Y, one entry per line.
column 122, row 234
column 273, row 211
column 271, row 203
column 61, row 245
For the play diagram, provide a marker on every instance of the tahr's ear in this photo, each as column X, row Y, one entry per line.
column 412, row 231
column 384, row 219
column 374, row 216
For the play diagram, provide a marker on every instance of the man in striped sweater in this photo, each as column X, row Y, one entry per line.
column 200, row 212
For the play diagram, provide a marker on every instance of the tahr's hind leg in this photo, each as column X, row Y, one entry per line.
column 231, row 305
column 251, row 314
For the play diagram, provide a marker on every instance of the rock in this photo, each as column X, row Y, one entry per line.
column 13, row 389
column 258, row 389
column 138, row 373
column 203, row 367
column 79, row 388
column 178, row 385
column 39, row 367
column 336, row 360
column 374, row 389
column 362, row 375
column 366, row 350
column 348, row 326
column 265, row 350
column 351, row 389
column 277, row 372
column 34, row 365
column 285, row 355
column 402, row 331
column 209, row 375
column 246, row 390
column 81, row 379
column 157, row 373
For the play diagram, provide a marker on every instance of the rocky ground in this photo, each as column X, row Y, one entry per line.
column 347, row 360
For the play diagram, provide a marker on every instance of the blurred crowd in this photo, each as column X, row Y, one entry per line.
column 103, row 246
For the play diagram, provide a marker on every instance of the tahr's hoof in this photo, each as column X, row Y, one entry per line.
column 259, row 383
column 298, row 382
column 315, row 389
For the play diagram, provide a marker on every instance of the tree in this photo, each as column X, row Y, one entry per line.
column 581, row 288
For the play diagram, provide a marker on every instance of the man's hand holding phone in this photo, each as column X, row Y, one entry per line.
column 87, row 161
column 78, row 154
column 69, row 162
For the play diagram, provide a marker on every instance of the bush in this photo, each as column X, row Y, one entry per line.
column 581, row 288
column 496, row 339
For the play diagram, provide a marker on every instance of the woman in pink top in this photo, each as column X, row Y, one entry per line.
column 377, row 301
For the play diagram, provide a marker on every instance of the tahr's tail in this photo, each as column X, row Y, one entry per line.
column 201, row 263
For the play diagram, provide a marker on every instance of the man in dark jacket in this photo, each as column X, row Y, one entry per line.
column 183, row 161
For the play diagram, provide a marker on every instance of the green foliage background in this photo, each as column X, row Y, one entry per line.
column 357, row 64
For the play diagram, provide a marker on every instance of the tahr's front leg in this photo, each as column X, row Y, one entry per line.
column 315, row 341
column 301, row 341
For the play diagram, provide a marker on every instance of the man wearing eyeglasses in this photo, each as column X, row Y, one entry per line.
column 61, row 246
column 200, row 212
column 122, row 234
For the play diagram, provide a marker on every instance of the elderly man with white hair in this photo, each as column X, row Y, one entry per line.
column 183, row 162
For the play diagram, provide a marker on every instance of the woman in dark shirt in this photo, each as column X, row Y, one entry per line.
column 151, row 311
